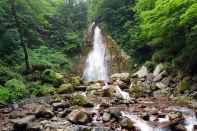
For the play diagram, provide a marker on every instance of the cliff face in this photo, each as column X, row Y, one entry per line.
column 117, row 59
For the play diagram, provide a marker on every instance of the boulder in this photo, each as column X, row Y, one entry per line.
column 78, row 117
column 120, row 76
column 159, row 76
column 159, row 68
column 106, row 116
column 160, row 93
column 61, row 105
column 160, row 85
column 143, row 72
column 121, row 94
column 65, row 88
column 23, row 123
column 44, row 112
column 126, row 123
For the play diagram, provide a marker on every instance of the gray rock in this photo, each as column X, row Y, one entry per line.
column 78, row 117
column 44, row 112
column 106, row 117
column 158, row 69
column 23, row 123
column 120, row 76
column 160, row 85
column 61, row 105
column 143, row 72
column 160, row 76
column 126, row 123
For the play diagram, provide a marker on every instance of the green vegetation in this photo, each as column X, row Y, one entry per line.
column 41, row 41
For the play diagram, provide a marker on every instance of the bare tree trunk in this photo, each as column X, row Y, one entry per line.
column 21, row 33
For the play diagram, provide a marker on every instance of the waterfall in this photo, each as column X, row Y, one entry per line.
column 96, row 63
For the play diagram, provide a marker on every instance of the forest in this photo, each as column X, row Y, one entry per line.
column 98, row 65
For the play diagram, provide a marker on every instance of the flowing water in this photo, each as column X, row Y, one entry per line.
column 96, row 63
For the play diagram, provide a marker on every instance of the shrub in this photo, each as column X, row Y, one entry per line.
column 16, row 88
column 4, row 95
column 37, row 89
column 52, row 77
column 183, row 86
column 7, row 74
column 81, row 100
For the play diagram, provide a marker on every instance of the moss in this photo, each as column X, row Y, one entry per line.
column 65, row 88
column 136, row 90
column 52, row 77
column 76, row 80
column 183, row 86
column 149, row 65
column 81, row 100
column 16, row 88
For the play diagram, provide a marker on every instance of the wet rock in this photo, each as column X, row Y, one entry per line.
column 106, row 117
column 64, row 113
column 78, row 117
column 44, row 112
column 115, row 114
column 179, row 127
column 34, row 127
column 22, row 124
column 145, row 116
column 61, row 105
column 65, row 88
column 121, row 94
column 175, row 116
column 143, row 72
column 120, row 76
column 126, row 123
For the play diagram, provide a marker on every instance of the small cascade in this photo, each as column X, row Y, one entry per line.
column 96, row 67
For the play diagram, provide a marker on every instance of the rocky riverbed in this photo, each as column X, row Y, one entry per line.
column 128, row 102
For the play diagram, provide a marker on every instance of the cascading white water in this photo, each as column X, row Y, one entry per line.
column 96, row 65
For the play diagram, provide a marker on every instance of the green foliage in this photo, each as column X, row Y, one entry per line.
column 183, row 86
column 65, row 88
column 37, row 89
column 7, row 74
column 16, row 88
column 80, row 100
column 52, row 77
column 4, row 95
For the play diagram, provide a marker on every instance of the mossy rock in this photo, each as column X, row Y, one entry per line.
column 183, row 86
column 65, row 88
column 52, row 77
column 81, row 100
column 76, row 80
column 108, row 92
column 136, row 91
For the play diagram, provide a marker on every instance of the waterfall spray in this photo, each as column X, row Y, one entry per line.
column 96, row 67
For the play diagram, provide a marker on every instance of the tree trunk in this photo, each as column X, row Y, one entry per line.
column 21, row 33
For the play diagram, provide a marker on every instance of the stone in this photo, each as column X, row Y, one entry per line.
column 78, row 117
column 80, row 88
column 61, row 105
column 115, row 114
column 121, row 94
column 120, row 76
column 106, row 116
column 23, row 123
column 179, row 127
column 143, row 72
column 158, row 69
column 81, row 100
column 145, row 116
column 44, row 112
column 34, row 127
column 65, row 88
column 159, row 76
column 160, row 93
column 126, row 123
column 175, row 116
column 160, row 85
